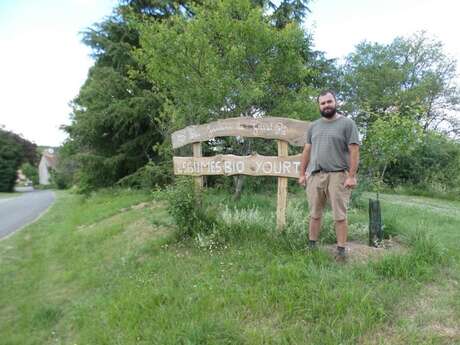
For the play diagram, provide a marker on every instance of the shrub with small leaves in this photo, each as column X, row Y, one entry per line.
column 186, row 206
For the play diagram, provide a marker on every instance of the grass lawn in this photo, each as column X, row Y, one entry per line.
column 108, row 269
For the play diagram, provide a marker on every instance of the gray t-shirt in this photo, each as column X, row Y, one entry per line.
column 329, row 143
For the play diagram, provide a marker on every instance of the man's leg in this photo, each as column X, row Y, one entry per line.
column 340, row 197
column 341, row 231
column 314, row 228
column 316, row 202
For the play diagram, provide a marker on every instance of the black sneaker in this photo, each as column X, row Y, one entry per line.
column 312, row 246
column 341, row 255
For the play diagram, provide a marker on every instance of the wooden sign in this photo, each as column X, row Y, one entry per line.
column 254, row 165
column 284, row 166
column 292, row 131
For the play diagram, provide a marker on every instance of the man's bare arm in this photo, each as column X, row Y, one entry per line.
column 304, row 160
column 351, row 182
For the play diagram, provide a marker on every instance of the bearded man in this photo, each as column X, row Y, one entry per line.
column 328, row 169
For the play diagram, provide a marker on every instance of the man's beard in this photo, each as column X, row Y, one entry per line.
column 328, row 112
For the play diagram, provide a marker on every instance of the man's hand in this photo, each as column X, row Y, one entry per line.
column 303, row 180
column 350, row 182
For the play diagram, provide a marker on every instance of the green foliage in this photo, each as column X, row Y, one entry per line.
column 10, row 155
column 114, row 128
column 14, row 150
column 395, row 92
column 64, row 175
column 386, row 140
column 431, row 167
column 414, row 79
column 288, row 11
column 31, row 172
column 412, row 76
column 227, row 61
column 185, row 205
column 95, row 171
column 149, row 176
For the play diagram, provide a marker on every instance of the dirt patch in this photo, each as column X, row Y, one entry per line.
column 361, row 252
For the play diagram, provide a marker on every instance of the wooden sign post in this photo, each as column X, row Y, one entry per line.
column 281, row 202
column 197, row 154
column 283, row 166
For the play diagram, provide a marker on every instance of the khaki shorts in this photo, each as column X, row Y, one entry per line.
column 324, row 186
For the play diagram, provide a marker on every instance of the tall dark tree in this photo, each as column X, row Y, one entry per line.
column 114, row 124
column 14, row 150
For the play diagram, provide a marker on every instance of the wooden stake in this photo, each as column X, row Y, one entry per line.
column 375, row 223
column 282, row 190
column 197, row 153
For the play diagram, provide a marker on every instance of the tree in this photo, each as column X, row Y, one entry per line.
column 286, row 11
column 228, row 61
column 114, row 128
column 387, row 139
column 64, row 175
column 31, row 172
column 432, row 166
column 14, row 150
column 410, row 75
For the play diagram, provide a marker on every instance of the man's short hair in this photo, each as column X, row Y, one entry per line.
column 324, row 93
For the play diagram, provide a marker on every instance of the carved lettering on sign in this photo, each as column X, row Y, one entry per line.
column 254, row 165
column 290, row 130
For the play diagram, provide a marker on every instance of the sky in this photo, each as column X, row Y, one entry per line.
column 43, row 62
column 339, row 25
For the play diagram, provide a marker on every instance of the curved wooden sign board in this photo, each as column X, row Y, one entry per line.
column 283, row 129
column 290, row 130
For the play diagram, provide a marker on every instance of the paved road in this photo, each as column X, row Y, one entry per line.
column 18, row 211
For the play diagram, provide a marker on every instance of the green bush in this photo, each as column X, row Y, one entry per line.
column 60, row 180
column 10, row 160
column 31, row 172
column 149, row 176
column 14, row 150
column 432, row 169
column 94, row 172
column 186, row 206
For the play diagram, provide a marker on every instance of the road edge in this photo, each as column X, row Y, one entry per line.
column 32, row 221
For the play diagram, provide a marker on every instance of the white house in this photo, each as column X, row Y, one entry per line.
column 47, row 163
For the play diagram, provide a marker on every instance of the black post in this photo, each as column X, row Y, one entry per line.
column 375, row 222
